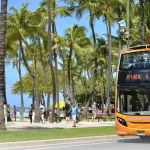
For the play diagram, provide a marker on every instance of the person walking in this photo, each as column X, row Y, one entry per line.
column 43, row 115
column 93, row 111
column 30, row 113
column 67, row 116
column 15, row 112
column 5, row 113
column 74, row 112
column 8, row 113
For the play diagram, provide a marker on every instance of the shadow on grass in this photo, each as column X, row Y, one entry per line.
column 32, row 128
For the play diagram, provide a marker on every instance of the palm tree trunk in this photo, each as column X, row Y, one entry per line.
column 37, row 118
column 64, row 76
column 109, row 63
column 104, row 84
column 94, row 40
column 95, row 49
column 69, row 75
column 51, row 61
column 56, row 67
column 43, row 66
column 85, row 79
column 2, row 64
column 48, row 104
column 91, row 94
column 73, row 90
column 21, row 86
column 37, row 104
column 141, row 2
column 57, row 83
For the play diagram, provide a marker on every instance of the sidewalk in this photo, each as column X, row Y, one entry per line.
column 37, row 126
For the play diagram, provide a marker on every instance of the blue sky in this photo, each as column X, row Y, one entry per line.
column 62, row 24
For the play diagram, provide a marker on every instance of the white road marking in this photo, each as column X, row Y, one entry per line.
column 42, row 148
column 58, row 145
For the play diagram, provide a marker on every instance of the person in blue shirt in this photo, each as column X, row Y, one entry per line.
column 74, row 112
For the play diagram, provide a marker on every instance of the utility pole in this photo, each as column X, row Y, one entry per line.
column 128, row 21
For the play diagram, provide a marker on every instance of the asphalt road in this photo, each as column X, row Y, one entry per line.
column 90, row 144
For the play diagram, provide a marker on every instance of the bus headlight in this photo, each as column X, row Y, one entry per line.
column 122, row 121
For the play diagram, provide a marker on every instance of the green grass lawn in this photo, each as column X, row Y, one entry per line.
column 14, row 136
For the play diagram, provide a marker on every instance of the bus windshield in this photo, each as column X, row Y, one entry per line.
column 132, row 102
column 136, row 60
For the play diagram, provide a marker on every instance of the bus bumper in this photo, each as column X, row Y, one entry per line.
column 124, row 131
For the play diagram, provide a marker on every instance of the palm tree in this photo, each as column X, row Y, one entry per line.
column 13, row 54
column 51, row 61
column 19, row 28
column 108, row 7
column 88, row 6
column 2, row 65
column 60, row 46
column 76, row 40
column 55, row 11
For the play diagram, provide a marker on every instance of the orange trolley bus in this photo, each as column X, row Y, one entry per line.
column 132, row 95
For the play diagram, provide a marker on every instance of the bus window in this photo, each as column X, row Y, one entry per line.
column 132, row 102
column 129, row 103
column 122, row 103
column 137, row 60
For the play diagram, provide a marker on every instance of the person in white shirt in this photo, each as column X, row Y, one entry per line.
column 5, row 113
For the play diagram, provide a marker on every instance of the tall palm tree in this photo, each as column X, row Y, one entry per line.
column 55, row 11
column 15, row 56
column 76, row 40
column 2, row 64
column 81, row 6
column 20, row 27
column 108, row 7
column 50, row 60
column 60, row 45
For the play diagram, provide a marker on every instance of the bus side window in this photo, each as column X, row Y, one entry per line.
column 129, row 103
column 147, row 63
column 122, row 104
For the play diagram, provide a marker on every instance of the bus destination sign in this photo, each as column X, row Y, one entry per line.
column 136, row 76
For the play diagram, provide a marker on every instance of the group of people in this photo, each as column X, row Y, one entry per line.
column 96, row 110
column 7, row 113
column 71, row 113
column 42, row 114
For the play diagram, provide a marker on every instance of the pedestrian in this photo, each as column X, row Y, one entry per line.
column 74, row 112
column 55, row 115
column 15, row 112
column 45, row 115
column 67, row 116
column 93, row 111
column 5, row 113
column 8, row 113
column 77, row 117
column 30, row 113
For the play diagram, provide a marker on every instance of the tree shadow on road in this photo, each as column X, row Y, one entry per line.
column 136, row 140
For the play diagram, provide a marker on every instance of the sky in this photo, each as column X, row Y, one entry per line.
column 62, row 24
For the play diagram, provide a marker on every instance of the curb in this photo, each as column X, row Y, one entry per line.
column 63, row 140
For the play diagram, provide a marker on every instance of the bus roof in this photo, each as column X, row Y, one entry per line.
column 139, row 47
column 136, row 48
